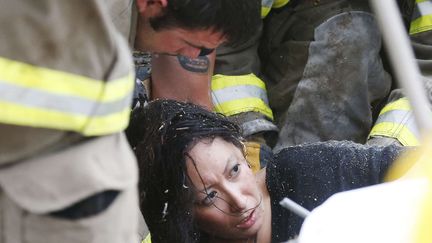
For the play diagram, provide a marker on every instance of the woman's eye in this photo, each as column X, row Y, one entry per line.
column 210, row 198
column 235, row 170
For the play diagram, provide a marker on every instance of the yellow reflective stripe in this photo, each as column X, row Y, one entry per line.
column 394, row 130
column 280, row 3
column 400, row 104
column 244, row 105
column 147, row 239
column 224, row 81
column 400, row 118
column 265, row 11
column 36, row 117
column 238, row 92
column 396, row 121
column 232, row 96
column 62, row 83
column 422, row 17
column 107, row 124
column 421, row 24
column 267, row 5
column 105, row 106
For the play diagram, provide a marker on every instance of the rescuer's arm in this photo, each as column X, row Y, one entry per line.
column 395, row 123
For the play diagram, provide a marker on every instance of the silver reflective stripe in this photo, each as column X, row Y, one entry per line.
column 61, row 103
column 422, row 9
column 256, row 126
column 238, row 92
column 425, row 8
column 267, row 3
column 402, row 118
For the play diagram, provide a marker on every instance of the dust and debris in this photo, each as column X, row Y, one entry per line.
column 165, row 210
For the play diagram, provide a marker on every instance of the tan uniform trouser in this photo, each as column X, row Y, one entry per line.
column 115, row 224
column 33, row 191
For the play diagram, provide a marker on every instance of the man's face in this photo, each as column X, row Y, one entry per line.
column 176, row 41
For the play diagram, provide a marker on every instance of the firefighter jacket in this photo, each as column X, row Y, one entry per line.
column 396, row 119
column 66, row 81
column 241, row 93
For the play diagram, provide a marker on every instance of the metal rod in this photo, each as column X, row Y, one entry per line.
column 403, row 61
column 294, row 207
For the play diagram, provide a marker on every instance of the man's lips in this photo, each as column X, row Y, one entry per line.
column 248, row 221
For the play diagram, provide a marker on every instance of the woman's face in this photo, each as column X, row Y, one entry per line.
column 228, row 201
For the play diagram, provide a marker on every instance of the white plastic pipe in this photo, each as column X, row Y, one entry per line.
column 294, row 207
column 403, row 61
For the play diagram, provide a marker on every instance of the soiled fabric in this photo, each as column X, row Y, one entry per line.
column 321, row 63
column 323, row 70
column 59, row 185
column 309, row 174
column 75, row 38
column 73, row 195
column 396, row 125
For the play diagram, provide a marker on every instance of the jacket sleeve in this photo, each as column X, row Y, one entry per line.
column 309, row 174
column 396, row 120
column 312, row 173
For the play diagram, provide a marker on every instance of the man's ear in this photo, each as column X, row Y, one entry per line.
column 151, row 8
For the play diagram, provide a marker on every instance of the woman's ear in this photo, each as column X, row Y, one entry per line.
column 151, row 8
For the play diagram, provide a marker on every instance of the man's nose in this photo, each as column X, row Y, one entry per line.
column 190, row 52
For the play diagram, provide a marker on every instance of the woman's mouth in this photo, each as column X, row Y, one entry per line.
column 247, row 222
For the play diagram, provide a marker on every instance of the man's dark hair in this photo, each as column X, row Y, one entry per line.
column 161, row 134
column 238, row 20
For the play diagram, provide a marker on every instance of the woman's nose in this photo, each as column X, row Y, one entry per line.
column 237, row 201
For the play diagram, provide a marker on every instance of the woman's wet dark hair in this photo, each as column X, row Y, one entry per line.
column 161, row 134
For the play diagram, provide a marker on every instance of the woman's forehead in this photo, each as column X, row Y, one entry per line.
column 208, row 151
column 211, row 157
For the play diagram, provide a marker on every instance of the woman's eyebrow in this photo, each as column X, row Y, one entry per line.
column 199, row 175
column 229, row 161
